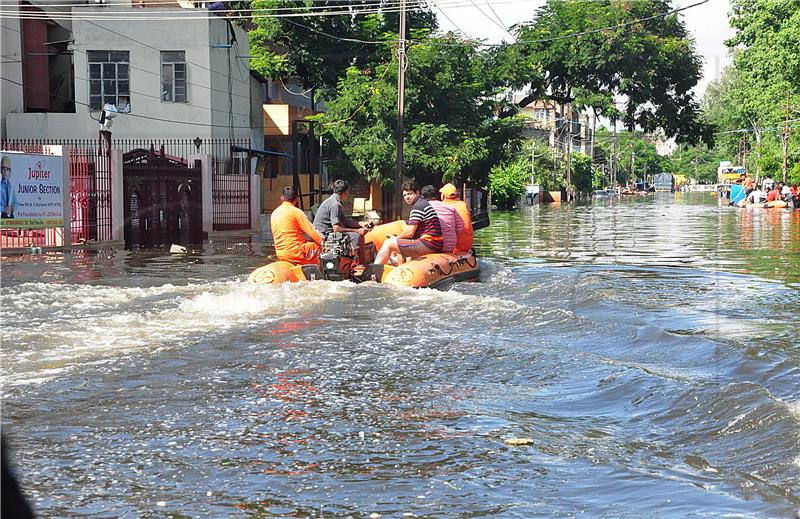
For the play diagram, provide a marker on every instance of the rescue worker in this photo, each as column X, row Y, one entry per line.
column 422, row 235
column 450, row 197
column 290, row 226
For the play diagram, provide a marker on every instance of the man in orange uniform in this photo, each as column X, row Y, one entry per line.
column 450, row 197
column 289, row 224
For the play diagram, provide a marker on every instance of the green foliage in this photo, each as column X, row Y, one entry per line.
column 317, row 50
column 697, row 162
column 652, row 65
column 450, row 129
column 636, row 152
column 582, row 175
column 749, row 102
column 507, row 182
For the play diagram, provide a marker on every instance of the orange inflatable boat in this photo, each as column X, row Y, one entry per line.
column 337, row 263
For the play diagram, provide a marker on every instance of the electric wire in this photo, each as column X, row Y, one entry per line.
column 134, row 115
column 480, row 44
column 502, row 27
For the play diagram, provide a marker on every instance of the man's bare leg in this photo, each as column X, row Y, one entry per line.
column 389, row 246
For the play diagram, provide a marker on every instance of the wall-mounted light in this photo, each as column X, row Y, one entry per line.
column 197, row 143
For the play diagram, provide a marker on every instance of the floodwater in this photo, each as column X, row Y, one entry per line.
column 649, row 348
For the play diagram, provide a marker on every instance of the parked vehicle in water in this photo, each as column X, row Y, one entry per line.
column 664, row 182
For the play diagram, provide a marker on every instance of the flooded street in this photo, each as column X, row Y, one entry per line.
column 650, row 348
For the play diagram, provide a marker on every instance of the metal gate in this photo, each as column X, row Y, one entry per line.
column 162, row 199
column 230, row 181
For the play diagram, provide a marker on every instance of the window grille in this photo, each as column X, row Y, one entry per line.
column 109, row 79
column 173, row 76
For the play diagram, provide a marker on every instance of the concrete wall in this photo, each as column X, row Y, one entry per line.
column 212, row 92
column 10, row 66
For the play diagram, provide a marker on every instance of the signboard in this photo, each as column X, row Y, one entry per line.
column 31, row 190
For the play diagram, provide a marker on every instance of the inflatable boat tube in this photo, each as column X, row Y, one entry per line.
column 434, row 270
column 379, row 233
column 431, row 270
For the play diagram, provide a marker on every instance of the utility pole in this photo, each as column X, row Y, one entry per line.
column 401, row 91
column 785, row 166
column 569, row 151
column 614, row 155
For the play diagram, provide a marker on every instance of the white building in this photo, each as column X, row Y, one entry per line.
column 547, row 121
column 182, row 70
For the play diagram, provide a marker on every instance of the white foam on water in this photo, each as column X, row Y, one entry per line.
column 108, row 322
column 794, row 410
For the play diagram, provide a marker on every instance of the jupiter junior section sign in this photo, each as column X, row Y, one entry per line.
column 31, row 190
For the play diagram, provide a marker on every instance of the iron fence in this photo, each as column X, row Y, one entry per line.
column 230, row 173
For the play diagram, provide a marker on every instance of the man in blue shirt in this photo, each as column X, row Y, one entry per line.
column 8, row 198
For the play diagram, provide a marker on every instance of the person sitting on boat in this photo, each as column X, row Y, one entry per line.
column 774, row 194
column 449, row 219
column 290, row 226
column 785, row 190
column 450, row 197
column 330, row 217
column 756, row 196
column 423, row 232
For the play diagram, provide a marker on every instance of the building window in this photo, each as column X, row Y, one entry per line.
column 173, row 76
column 109, row 81
column 540, row 114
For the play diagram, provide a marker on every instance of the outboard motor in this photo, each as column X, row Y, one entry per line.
column 338, row 256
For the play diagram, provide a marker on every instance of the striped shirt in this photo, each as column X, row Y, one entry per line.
column 429, row 230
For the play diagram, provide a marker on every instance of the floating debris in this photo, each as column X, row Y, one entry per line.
column 519, row 441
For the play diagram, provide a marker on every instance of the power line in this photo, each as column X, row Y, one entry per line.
column 584, row 33
column 151, row 15
column 354, row 40
column 504, row 28
column 138, row 116
column 172, row 6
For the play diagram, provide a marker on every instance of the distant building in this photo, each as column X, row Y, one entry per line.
column 547, row 122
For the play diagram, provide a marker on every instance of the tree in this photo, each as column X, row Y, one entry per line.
column 507, row 182
column 450, row 102
column 582, row 174
column 637, row 50
column 317, row 49
column 636, row 152
column 748, row 103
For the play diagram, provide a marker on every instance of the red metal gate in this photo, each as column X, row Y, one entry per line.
column 162, row 199
column 230, row 191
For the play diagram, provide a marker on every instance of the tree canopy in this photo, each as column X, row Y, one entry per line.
column 450, row 101
column 316, row 50
column 594, row 53
column 749, row 102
